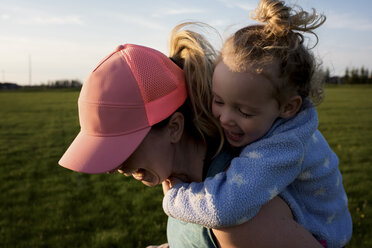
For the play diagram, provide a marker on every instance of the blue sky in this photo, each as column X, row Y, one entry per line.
column 66, row 39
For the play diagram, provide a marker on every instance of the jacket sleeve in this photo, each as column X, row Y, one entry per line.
column 261, row 172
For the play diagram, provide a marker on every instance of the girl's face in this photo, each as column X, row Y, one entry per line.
column 150, row 163
column 243, row 103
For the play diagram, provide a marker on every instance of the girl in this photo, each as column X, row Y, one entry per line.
column 262, row 87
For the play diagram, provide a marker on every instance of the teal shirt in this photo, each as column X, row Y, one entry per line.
column 185, row 235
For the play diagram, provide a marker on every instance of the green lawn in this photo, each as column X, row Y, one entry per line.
column 345, row 119
column 45, row 205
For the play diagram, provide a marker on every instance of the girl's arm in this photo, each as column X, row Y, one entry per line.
column 260, row 173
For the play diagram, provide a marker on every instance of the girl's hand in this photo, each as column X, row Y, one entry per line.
column 159, row 246
column 169, row 183
column 166, row 186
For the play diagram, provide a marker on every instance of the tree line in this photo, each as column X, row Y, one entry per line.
column 56, row 84
column 63, row 84
column 351, row 76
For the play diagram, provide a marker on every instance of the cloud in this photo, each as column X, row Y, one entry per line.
column 55, row 20
column 239, row 4
column 348, row 21
column 4, row 16
column 219, row 23
column 142, row 21
column 24, row 16
column 183, row 11
column 177, row 11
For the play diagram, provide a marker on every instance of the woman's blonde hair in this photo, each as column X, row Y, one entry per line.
column 280, row 39
column 196, row 56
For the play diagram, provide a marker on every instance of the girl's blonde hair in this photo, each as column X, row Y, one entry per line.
column 279, row 39
column 192, row 52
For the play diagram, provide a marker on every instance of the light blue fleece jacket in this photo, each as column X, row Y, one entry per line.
column 292, row 160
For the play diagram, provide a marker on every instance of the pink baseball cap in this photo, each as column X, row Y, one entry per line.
column 132, row 89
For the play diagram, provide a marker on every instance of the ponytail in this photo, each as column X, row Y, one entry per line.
column 196, row 56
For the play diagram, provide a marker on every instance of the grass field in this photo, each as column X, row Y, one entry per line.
column 45, row 205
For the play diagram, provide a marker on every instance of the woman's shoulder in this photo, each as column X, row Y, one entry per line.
column 220, row 161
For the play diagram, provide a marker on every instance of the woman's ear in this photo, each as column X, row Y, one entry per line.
column 176, row 127
column 291, row 107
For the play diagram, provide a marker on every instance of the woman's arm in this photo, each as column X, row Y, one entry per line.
column 273, row 226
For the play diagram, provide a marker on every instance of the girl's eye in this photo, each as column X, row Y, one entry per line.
column 245, row 115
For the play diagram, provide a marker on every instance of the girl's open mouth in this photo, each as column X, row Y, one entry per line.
column 233, row 136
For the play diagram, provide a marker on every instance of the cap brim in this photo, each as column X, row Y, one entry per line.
column 97, row 154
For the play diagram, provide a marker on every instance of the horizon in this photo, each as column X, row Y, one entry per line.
column 45, row 41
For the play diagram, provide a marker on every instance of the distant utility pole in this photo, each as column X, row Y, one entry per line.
column 3, row 72
column 29, row 70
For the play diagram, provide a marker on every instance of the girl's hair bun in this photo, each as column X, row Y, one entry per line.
column 280, row 19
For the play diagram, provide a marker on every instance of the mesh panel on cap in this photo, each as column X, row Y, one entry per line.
column 155, row 77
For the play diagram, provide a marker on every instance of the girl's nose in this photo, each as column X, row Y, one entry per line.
column 226, row 118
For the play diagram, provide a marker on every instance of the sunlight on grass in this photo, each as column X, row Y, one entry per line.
column 43, row 204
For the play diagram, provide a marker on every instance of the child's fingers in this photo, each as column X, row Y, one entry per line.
column 166, row 186
column 159, row 246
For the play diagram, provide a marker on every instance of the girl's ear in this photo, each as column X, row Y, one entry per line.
column 176, row 127
column 292, row 106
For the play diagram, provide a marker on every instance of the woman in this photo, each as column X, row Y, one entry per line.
column 136, row 118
